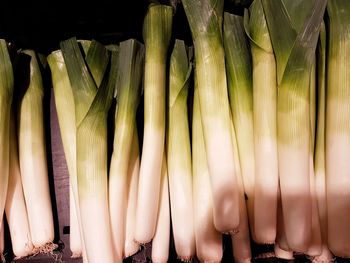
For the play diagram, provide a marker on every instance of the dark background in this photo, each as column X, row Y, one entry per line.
column 42, row 25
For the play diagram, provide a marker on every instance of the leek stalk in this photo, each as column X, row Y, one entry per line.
column 239, row 76
column 131, row 246
column 281, row 247
column 6, row 86
column 157, row 30
column 338, row 128
column 179, row 153
column 130, row 66
column 16, row 210
column 294, row 46
column 265, row 125
column 92, row 102
column 161, row 240
column 205, row 19
column 64, row 102
column 315, row 246
column 32, row 156
column 208, row 239
column 241, row 241
column 320, row 169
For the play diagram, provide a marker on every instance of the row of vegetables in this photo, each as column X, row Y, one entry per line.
column 244, row 133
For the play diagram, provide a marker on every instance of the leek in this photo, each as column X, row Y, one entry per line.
column 131, row 246
column 294, row 46
column 32, row 156
column 64, row 102
column 92, row 102
column 265, row 125
column 320, row 169
column 205, row 20
column 315, row 246
column 157, row 29
column 16, row 210
column 208, row 239
column 130, row 66
column 239, row 76
column 161, row 240
column 281, row 247
column 241, row 241
column 338, row 129
column 179, row 153
column 6, row 86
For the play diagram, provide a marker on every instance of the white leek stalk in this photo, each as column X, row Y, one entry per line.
column 320, row 169
column 205, row 18
column 338, row 129
column 179, row 153
column 157, row 29
column 315, row 246
column 64, row 102
column 6, row 91
column 161, row 240
column 208, row 239
column 32, row 157
column 131, row 246
column 239, row 76
column 16, row 210
column 130, row 67
column 294, row 46
column 281, row 247
column 91, row 106
column 241, row 241
column 265, row 125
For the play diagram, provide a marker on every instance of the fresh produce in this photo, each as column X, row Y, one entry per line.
column 205, row 19
column 178, row 149
column 15, row 209
column 161, row 240
column 294, row 46
column 32, row 151
column 92, row 101
column 258, row 149
column 208, row 239
column 65, row 108
column 157, row 29
column 128, row 90
column 337, row 129
column 6, row 87
column 265, row 125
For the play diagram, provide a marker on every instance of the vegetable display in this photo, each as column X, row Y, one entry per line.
column 238, row 135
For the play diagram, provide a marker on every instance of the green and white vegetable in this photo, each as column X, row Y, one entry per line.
column 130, row 67
column 16, row 210
column 208, row 239
column 239, row 81
column 337, row 128
column 320, row 160
column 178, row 149
column 157, row 29
column 92, row 101
column 131, row 246
column 161, row 240
column 6, row 92
column 205, row 19
column 32, row 154
column 265, row 125
column 294, row 46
